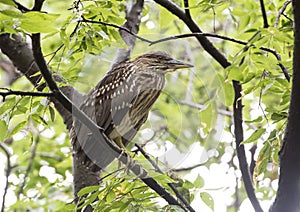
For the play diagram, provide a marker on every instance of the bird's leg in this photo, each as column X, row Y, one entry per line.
column 118, row 141
column 120, row 144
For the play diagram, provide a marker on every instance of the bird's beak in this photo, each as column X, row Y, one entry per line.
column 176, row 64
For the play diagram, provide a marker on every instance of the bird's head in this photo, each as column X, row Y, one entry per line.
column 161, row 62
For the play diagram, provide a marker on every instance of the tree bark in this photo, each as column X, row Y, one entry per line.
column 21, row 56
column 288, row 195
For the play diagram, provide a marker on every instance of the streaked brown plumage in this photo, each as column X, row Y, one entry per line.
column 120, row 104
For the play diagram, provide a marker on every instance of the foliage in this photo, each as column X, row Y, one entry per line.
column 82, row 52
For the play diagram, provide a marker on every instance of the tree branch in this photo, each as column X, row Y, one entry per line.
column 187, row 168
column 201, row 107
column 187, row 9
column 239, row 137
column 21, row 7
column 133, row 20
column 206, row 44
column 287, row 197
column 22, row 57
column 31, row 160
column 171, row 185
column 115, row 26
column 272, row 51
column 11, row 73
column 237, row 105
column 282, row 9
column 23, row 93
column 210, row 48
column 7, row 173
column 264, row 14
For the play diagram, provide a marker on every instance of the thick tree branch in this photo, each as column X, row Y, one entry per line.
column 11, row 74
column 187, row 9
column 21, row 55
column 287, row 198
column 133, row 20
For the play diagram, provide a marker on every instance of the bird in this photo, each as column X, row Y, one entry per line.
column 119, row 104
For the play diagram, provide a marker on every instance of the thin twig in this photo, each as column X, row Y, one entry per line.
column 187, row 168
column 272, row 51
column 23, row 93
column 195, row 34
column 174, row 37
column 264, row 14
column 31, row 160
column 7, row 173
column 171, row 185
column 115, row 26
column 201, row 107
column 280, row 12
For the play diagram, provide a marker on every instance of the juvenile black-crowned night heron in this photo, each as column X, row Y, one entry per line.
column 120, row 104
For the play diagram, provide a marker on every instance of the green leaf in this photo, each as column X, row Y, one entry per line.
column 17, row 128
column 52, row 113
column 235, row 73
column 208, row 117
column 37, row 22
column 8, row 2
column 262, row 159
column 124, row 206
column 89, row 199
column 87, row 190
column 207, row 199
column 199, row 182
column 38, row 119
column 66, row 207
column 257, row 120
column 188, row 185
column 11, row 13
column 226, row 93
column 256, row 135
column 110, row 196
column 3, row 130
column 278, row 116
column 7, row 105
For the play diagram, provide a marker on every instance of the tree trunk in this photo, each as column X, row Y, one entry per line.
column 288, row 195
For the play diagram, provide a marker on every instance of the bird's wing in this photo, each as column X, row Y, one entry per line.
column 106, row 113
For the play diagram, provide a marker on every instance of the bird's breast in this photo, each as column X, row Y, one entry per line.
column 131, row 107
